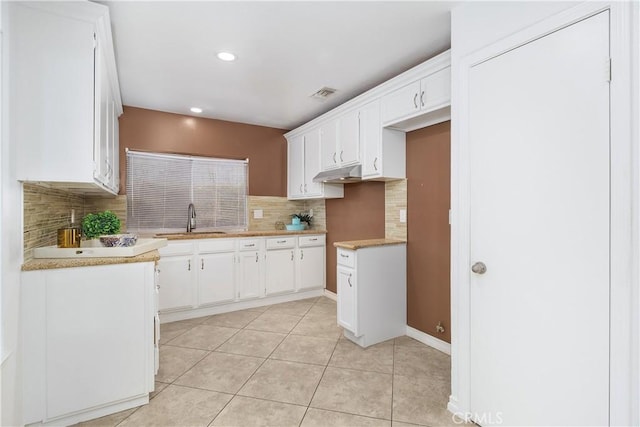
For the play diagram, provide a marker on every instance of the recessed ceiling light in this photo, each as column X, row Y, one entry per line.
column 226, row 56
column 196, row 110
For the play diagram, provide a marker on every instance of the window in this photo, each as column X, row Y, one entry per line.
column 161, row 186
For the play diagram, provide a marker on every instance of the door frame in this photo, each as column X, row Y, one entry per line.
column 624, row 289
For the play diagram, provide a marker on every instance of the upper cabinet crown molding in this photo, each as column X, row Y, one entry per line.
column 429, row 67
column 370, row 129
column 65, row 88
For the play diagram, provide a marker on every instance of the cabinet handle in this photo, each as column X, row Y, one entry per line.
column 349, row 281
column 249, row 245
column 256, row 256
column 415, row 100
column 315, row 239
column 342, row 151
column 344, row 256
column 301, row 254
column 375, row 163
column 189, row 266
column 422, row 99
column 202, row 264
column 281, row 241
column 334, row 158
column 291, row 255
column 301, row 188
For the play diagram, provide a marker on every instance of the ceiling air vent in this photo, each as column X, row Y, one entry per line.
column 323, row 93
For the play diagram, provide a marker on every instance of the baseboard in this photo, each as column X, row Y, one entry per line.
column 330, row 295
column 427, row 339
column 173, row 316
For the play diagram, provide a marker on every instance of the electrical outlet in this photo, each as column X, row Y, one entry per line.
column 403, row 215
column 257, row 214
column 310, row 212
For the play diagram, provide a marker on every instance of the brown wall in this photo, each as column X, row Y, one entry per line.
column 428, row 230
column 360, row 215
column 266, row 148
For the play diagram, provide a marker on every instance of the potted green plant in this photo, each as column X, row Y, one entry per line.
column 303, row 217
column 100, row 224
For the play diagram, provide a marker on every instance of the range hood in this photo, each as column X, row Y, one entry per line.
column 342, row 175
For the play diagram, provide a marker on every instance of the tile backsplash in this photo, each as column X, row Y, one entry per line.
column 276, row 209
column 47, row 209
column 395, row 196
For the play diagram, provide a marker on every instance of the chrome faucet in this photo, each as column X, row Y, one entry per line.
column 191, row 221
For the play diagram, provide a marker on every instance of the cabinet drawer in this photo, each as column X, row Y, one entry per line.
column 281, row 243
column 177, row 249
column 304, row 241
column 346, row 258
column 250, row 245
column 216, row 245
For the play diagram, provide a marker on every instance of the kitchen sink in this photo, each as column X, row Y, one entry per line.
column 191, row 233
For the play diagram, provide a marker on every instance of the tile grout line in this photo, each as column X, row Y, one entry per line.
column 321, row 377
column 258, row 368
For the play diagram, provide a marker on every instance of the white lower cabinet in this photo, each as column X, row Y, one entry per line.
column 198, row 275
column 177, row 276
column 216, row 278
column 89, row 341
column 347, row 308
column 250, row 269
column 280, row 265
column 310, row 268
column 372, row 302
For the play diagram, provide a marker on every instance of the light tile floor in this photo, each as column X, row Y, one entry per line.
column 289, row 365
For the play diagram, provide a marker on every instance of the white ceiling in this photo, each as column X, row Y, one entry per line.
column 166, row 53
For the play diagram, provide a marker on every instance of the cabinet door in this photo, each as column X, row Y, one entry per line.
column 349, row 138
column 97, row 342
column 436, row 89
column 403, row 102
column 329, row 145
column 311, row 268
column 216, row 278
column 176, row 282
column 280, row 271
column 312, row 163
column 371, row 139
column 250, row 275
column 295, row 170
column 347, row 307
column 102, row 119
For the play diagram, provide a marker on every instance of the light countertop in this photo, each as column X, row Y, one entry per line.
column 235, row 234
column 53, row 263
column 368, row 243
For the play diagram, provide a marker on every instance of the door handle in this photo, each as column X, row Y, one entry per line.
column 256, row 256
column 291, row 255
column 341, row 152
column 375, row 164
column 202, row 264
column 349, row 281
column 479, row 268
column 189, row 266
column 415, row 100
column 422, row 99
column 334, row 158
column 301, row 254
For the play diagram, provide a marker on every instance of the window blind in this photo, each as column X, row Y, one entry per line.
column 161, row 186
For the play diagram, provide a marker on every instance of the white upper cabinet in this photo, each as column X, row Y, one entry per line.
column 348, row 150
column 340, row 141
column 63, row 76
column 431, row 94
column 370, row 129
column 304, row 154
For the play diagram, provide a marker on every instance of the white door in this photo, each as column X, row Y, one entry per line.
column 311, row 267
column 349, row 138
column 329, row 144
column 176, row 282
column 371, row 139
column 347, row 305
column 312, row 163
column 539, row 165
column 250, row 283
column 280, row 276
column 216, row 278
column 296, row 167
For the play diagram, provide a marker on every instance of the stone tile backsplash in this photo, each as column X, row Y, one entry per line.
column 395, row 196
column 48, row 209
